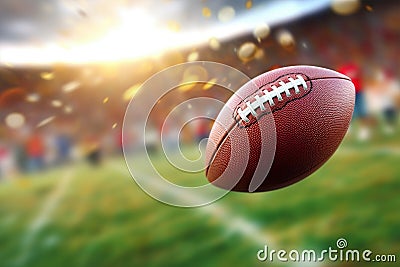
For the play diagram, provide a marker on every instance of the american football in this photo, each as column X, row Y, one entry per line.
column 290, row 120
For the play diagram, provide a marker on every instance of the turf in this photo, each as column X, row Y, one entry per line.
column 79, row 215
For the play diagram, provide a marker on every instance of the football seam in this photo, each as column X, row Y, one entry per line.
column 259, row 116
column 236, row 124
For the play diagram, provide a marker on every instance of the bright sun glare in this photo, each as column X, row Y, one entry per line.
column 136, row 35
column 140, row 34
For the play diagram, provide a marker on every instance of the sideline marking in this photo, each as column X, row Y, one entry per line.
column 234, row 223
column 43, row 217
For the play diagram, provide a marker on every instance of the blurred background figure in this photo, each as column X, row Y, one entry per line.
column 64, row 145
column 202, row 129
column 360, row 115
column 50, row 148
column 383, row 93
column 92, row 149
column 35, row 150
column 118, row 137
column 7, row 161
column 68, row 69
column 152, row 137
column 390, row 91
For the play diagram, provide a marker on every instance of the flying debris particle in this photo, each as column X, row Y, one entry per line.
column 131, row 92
column 115, row 125
column 15, row 120
column 68, row 109
column 345, row 7
column 82, row 13
column 48, row 76
column 209, row 84
column 226, row 14
column 261, row 31
column 191, row 76
column 369, row 8
column 105, row 100
column 187, row 85
column 56, row 103
column 45, row 121
column 285, row 38
column 195, row 73
column 259, row 54
column 249, row 4
column 247, row 51
column 206, row 12
column 193, row 56
column 214, row 44
column 34, row 97
column 71, row 86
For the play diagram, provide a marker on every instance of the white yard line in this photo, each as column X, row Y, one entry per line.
column 233, row 223
column 43, row 217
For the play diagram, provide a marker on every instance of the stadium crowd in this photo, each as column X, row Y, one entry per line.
column 87, row 103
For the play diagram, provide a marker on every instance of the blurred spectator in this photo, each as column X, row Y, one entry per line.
column 63, row 144
column 354, row 71
column 35, row 152
column 21, row 158
column 151, row 138
column 50, row 147
column 119, row 142
column 92, row 150
column 202, row 130
column 384, row 96
column 7, row 164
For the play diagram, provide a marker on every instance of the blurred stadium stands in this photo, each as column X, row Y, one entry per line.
column 57, row 114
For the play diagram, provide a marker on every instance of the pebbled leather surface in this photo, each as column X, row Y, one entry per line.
column 308, row 132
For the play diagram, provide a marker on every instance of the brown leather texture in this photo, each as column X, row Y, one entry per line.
column 287, row 142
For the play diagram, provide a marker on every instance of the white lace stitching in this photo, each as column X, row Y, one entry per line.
column 268, row 96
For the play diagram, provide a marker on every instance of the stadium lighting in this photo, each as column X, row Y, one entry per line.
column 141, row 33
column 137, row 35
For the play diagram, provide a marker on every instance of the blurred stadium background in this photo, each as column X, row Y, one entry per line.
column 67, row 72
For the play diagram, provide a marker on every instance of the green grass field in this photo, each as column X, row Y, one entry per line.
column 84, row 216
